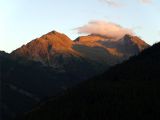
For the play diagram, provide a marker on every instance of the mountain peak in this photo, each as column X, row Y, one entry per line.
column 54, row 33
column 55, row 36
column 3, row 54
column 136, row 40
column 48, row 45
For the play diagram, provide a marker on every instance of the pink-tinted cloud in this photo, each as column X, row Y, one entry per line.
column 118, row 3
column 145, row 1
column 112, row 3
column 104, row 28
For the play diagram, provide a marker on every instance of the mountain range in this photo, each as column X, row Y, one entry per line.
column 50, row 65
column 128, row 91
column 53, row 46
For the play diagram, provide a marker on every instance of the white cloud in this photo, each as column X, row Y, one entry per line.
column 104, row 28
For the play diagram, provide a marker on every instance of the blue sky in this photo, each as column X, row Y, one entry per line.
column 23, row 20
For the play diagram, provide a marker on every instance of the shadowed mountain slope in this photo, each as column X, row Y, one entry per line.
column 26, row 83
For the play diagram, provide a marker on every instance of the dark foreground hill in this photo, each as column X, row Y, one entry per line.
column 128, row 91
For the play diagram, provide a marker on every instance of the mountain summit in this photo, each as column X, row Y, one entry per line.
column 46, row 48
column 136, row 40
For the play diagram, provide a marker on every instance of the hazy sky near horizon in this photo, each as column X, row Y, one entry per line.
column 24, row 20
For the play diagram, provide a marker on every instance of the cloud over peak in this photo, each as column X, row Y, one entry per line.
column 104, row 28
